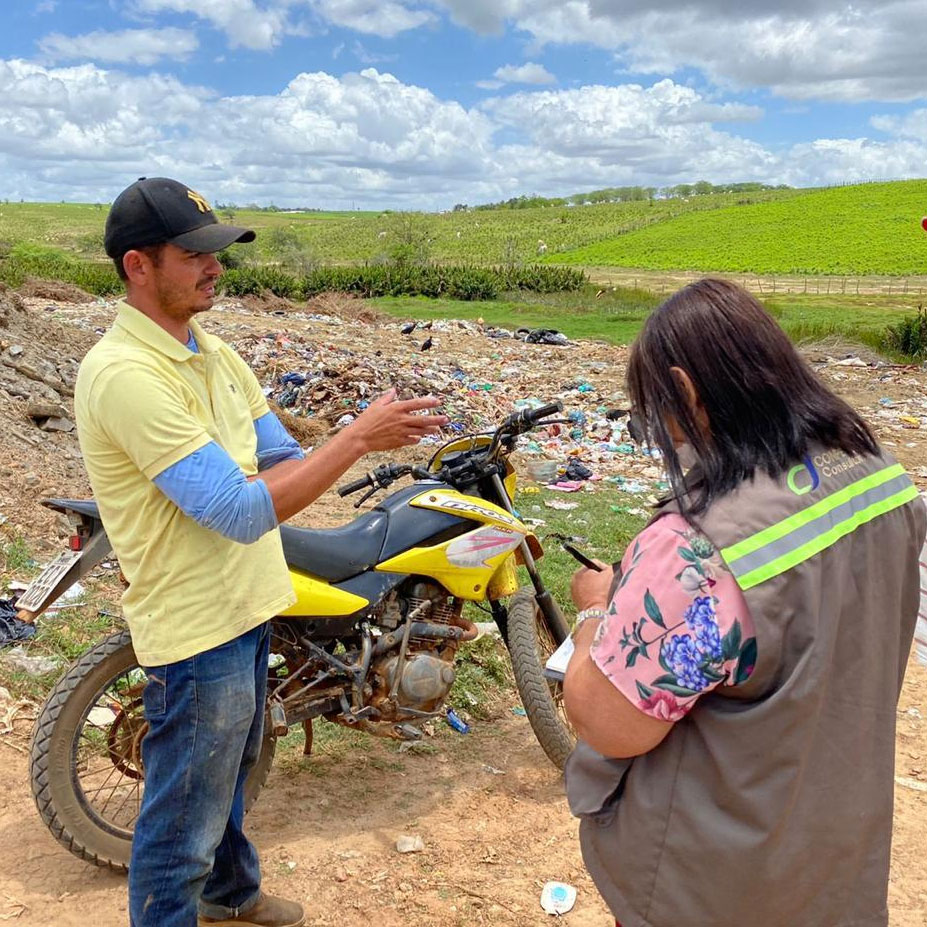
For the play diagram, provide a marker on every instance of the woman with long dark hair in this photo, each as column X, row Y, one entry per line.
column 734, row 688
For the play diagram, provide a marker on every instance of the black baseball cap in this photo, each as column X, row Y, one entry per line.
column 157, row 210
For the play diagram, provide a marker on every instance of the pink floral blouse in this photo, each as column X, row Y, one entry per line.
column 678, row 624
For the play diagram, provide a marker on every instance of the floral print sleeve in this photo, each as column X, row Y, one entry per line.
column 678, row 625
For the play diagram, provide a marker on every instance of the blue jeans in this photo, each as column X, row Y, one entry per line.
column 189, row 853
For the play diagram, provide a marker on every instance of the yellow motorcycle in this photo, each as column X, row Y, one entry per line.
column 371, row 642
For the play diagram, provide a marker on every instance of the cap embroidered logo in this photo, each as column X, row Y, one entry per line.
column 200, row 201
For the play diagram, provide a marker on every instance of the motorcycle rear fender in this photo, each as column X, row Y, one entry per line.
column 317, row 598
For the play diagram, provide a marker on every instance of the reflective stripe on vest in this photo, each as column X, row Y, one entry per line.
column 795, row 539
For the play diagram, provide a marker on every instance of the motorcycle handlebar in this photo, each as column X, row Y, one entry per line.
column 356, row 486
column 552, row 408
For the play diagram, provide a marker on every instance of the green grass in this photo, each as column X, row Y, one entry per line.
column 618, row 314
column 863, row 229
column 606, row 520
column 615, row 316
column 483, row 236
column 17, row 558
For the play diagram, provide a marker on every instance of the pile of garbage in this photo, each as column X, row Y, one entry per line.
column 331, row 371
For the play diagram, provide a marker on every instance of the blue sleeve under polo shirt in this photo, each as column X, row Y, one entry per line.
column 210, row 487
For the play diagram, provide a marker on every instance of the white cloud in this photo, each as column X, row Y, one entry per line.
column 384, row 18
column 913, row 125
column 244, row 22
column 365, row 56
column 263, row 24
column 660, row 133
column 46, row 6
column 528, row 73
column 84, row 132
column 138, row 46
column 819, row 49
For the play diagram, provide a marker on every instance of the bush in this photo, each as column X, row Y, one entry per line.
column 909, row 336
column 24, row 261
column 452, row 281
column 244, row 281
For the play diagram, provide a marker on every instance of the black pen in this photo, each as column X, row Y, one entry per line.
column 582, row 558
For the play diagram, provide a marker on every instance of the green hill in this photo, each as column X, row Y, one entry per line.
column 865, row 229
column 485, row 236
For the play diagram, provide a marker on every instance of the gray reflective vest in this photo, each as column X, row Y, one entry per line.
column 770, row 804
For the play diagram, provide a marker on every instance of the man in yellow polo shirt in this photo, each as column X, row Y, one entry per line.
column 193, row 473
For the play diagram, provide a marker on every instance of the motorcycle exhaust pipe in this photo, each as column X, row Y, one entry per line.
column 463, row 631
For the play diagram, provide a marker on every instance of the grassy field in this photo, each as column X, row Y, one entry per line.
column 616, row 316
column 483, row 236
column 864, row 229
column 855, row 230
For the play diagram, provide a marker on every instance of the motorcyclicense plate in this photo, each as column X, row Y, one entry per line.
column 40, row 588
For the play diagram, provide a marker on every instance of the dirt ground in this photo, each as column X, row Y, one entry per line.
column 488, row 805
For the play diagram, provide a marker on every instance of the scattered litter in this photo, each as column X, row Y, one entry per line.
column 34, row 666
column 492, row 770
column 16, row 909
column 560, row 505
column 542, row 336
column 541, row 471
column 456, row 722
column 101, row 717
column 12, row 629
column 907, row 783
column 519, row 712
column 8, row 712
column 408, row 844
column 558, row 898
column 73, row 597
column 577, row 471
column 487, row 627
column 568, row 485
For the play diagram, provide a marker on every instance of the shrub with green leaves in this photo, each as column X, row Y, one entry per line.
column 464, row 282
column 23, row 261
column 909, row 336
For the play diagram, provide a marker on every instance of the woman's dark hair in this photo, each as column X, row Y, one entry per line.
column 765, row 407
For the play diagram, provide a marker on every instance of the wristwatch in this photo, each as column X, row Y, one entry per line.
column 585, row 614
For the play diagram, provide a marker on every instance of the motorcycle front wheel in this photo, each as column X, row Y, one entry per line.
column 86, row 766
column 531, row 642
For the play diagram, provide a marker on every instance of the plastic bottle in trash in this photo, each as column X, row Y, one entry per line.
column 456, row 722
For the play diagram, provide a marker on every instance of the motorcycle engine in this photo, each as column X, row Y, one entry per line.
column 426, row 673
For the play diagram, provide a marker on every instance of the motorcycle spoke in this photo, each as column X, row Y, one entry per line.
column 107, row 752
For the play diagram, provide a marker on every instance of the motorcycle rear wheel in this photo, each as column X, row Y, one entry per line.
column 87, row 776
column 531, row 642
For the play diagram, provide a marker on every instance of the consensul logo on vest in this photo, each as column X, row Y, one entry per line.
column 799, row 474
column 806, row 476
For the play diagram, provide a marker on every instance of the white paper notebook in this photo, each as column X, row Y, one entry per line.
column 556, row 666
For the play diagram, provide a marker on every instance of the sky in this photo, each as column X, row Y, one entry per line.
column 423, row 104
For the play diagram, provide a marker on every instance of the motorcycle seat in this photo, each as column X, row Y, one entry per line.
column 336, row 553
column 83, row 506
column 333, row 553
